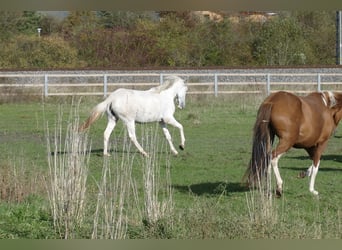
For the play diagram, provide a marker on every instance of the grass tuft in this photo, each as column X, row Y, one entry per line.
column 68, row 157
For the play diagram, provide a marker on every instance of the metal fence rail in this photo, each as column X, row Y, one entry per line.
column 66, row 84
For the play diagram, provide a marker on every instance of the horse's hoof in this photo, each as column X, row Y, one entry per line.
column 106, row 154
column 278, row 193
column 302, row 174
column 181, row 147
column 175, row 153
column 314, row 192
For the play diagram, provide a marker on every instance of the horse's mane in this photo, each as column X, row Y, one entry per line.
column 168, row 83
column 330, row 99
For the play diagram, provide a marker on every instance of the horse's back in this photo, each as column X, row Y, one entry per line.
column 304, row 119
column 285, row 104
column 289, row 104
column 133, row 97
column 286, row 112
column 282, row 97
column 141, row 106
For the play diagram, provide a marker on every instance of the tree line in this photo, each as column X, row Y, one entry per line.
column 116, row 39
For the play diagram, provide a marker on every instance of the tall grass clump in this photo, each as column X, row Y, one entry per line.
column 116, row 188
column 68, row 157
column 158, row 197
column 135, row 206
column 262, row 210
column 18, row 182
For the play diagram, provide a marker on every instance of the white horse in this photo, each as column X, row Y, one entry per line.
column 155, row 104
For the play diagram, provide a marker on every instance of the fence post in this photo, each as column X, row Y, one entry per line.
column 46, row 85
column 319, row 82
column 161, row 79
column 215, row 85
column 105, row 85
column 268, row 83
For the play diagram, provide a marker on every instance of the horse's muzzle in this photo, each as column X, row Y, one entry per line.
column 181, row 105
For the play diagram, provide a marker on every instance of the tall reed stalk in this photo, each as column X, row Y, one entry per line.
column 260, row 201
column 119, row 201
column 158, row 198
column 114, row 196
column 68, row 157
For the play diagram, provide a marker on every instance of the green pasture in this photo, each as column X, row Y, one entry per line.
column 208, row 198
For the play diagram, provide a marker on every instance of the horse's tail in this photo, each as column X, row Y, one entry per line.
column 95, row 114
column 262, row 146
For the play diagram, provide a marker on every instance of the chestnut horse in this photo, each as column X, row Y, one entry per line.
column 301, row 122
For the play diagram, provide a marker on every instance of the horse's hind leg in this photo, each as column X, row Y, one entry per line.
column 168, row 137
column 110, row 126
column 282, row 147
column 274, row 163
column 131, row 133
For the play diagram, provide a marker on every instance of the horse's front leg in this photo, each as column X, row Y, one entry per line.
column 315, row 154
column 168, row 137
column 172, row 121
column 313, row 173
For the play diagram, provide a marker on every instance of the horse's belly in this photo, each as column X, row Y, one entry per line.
column 147, row 116
column 310, row 139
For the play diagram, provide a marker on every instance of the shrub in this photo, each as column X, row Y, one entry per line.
column 38, row 52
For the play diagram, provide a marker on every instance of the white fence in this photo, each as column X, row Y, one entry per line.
column 64, row 84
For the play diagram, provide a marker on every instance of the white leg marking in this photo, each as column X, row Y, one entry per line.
column 313, row 177
column 309, row 171
column 274, row 163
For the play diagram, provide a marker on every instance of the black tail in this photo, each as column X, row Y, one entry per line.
column 262, row 146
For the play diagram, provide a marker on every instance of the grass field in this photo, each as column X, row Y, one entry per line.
column 197, row 195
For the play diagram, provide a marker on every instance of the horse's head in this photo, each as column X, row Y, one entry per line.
column 179, row 89
column 181, row 97
column 181, row 94
column 336, row 100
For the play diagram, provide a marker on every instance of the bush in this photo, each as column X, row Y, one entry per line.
column 280, row 42
column 38, row 52
column 181, row 39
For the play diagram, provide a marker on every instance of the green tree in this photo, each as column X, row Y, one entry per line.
column 280, row 42
column 50, row 25
column 319, row 31
column 171, row 36
column 78, row 29
column 123, row 20
column 29, row 22
column 8, row 23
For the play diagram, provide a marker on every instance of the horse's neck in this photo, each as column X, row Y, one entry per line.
column 171, row 92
